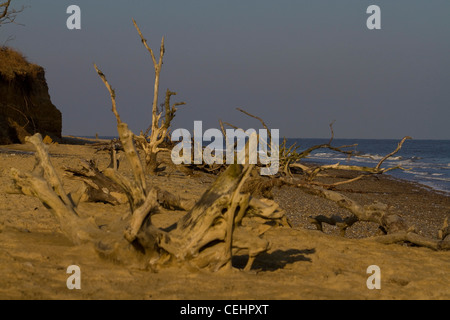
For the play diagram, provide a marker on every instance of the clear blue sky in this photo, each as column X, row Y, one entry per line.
column 297, row 64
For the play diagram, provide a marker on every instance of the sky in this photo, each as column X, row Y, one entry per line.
column 297, row 64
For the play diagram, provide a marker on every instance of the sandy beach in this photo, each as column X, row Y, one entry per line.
column 318, row 167
column 302, row 263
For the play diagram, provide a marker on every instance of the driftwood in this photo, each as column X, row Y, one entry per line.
column 222, row 223
column 159, row 127
column 154, row 137
column 289, row 156
column 46, row 185
column 312, row 173
column 97, row 187
column 377, row 212
column 227, row 220
column 392, row 225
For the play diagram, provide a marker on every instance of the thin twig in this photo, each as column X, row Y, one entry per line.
column 111, row 92
column 257, row 118
column 399, row 146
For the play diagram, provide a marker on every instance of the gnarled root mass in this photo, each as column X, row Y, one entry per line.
column 222, row 223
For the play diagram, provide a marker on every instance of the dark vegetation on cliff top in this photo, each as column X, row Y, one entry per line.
column 13, row 64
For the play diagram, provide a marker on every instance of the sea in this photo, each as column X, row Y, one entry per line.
column 425, row 161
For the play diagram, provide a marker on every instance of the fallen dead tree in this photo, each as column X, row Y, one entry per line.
column 364, row 171
column 97, row 187
column 226, row 221
column 161, row 119
column 154, row 137
column 289, row 157
column 393, row 226
column 222, row 223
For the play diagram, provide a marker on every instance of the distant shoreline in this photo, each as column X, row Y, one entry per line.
column 87, row 140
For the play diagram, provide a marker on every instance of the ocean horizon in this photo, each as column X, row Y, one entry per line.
column 425, row 161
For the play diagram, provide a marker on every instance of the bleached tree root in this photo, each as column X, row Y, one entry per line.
column 222, row 223
column 46, row 185
column 214, row 228
column 98, row 187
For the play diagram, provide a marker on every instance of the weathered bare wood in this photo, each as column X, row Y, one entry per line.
column 399, row 146
column 259, row 119
column 444, row 232
column 170, row 201
column 48, row 171
column 126, row 137
column 157, row 132
column 157, row 66
column 391, row 224
column 413, row 238
column 262, row 186
column 206, row 237
column 193, row 230
column 377, row 212
column 99, row 188
column 267, row 210
column 111, row 91
column 209, row 234
column 114, row 147
column 143, row 212
column 312, row 173
column 47, row 187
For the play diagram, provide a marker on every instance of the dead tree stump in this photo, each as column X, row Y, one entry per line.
column 222, row 223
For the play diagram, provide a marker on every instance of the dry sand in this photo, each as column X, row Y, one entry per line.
column 301, row 264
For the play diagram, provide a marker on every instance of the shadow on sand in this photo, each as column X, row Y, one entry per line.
column 274, row 260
